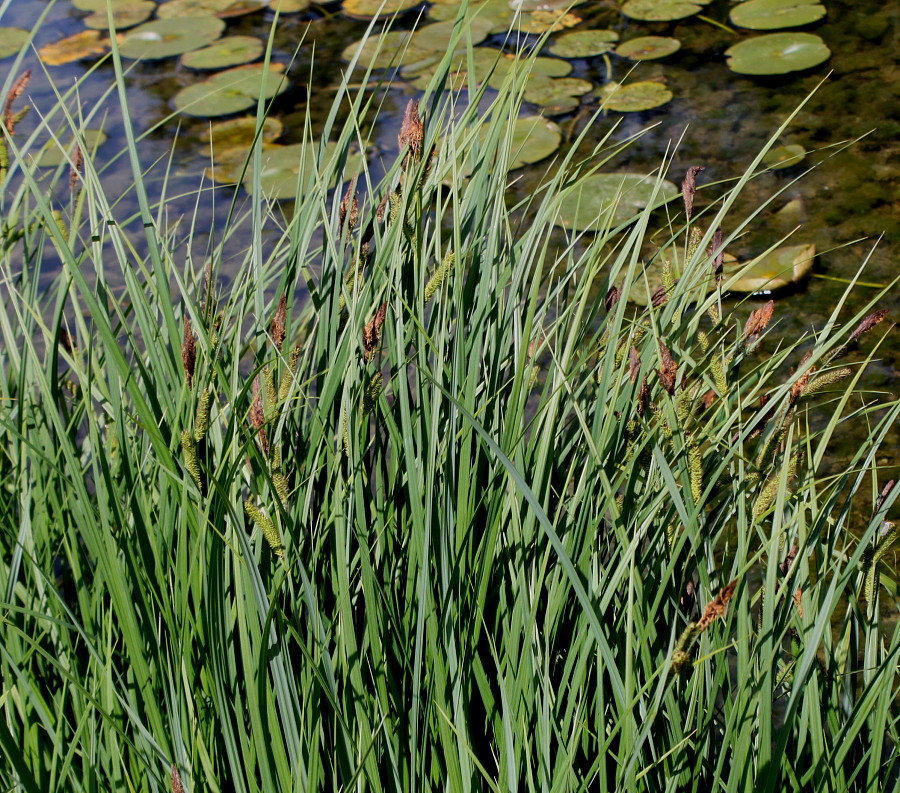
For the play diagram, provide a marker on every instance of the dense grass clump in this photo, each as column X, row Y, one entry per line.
column 462, row 519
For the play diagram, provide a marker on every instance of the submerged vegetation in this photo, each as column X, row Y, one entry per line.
column 429, row 497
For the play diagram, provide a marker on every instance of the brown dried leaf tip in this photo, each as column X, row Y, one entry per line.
column 759, row 320
column 371, row 335
column 276, row 329
column 885, row 492
column 188, row 351
column 668, row 369
column 18, row 87
column 412, row 132
column 177, row 787
column 689, row 187
column 349, row 208
column 716, row 607
column 867, row 324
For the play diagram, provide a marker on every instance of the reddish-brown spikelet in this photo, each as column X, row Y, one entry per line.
column 659, row 297
column 371, row 335
column 868, row 323
column 716, row 607
column 789, row 560
column 75, row 169
column 66, row 341
column 885, row 492
column 634, row 364
column 258, row 417
column 188, row 351
column 643, row 397
column 612, row 297
column 798, row 387
column 718, row 253
column 349, row 208
column 708, row 398
column 668, row 369
column 412, row 131
column 14, row 93
column 759, row 320
column 276, row 329
column 798, row 602
column 177, row 787
column 689, row 187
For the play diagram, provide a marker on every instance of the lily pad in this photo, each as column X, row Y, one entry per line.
column 239, row 133
column 51, row 155
column 784, row 156
column 662, row 10
column 12, row 40
column 165, row 38
column 497, row 12
column 228, row 51
column 533, row 139
column 584, row 43
column 180, row 9
column 648, row 48
column 492, row 67
column 541, row 21
column 774, row 14
column 289, row 6
column 775, row 270
column 124, row 15
column 74, row 48
column 283, row 167
column 634, row 97
column 231, row 91
column 611, row 198
column 777, row 53
column 369, row 9
column 552, row 91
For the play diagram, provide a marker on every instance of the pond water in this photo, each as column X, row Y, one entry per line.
column 721, row 119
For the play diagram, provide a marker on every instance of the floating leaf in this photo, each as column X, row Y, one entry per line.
column 634, row 97
column 777, row 53
column 289, row 6
column 662, row 10
column 239, row 133
column 124, row 15
column 51, row 155
column 369, row 9
column 774, row 14
column 12, row 40
column 784, row 156
column 74, row 48
column 165, row 38
column 229, row 51
column 584, row 43
column 497, row 12
column 775, row 270
column 231, row 91
column 648, row 48
column 175, row 9
column 491, row 66
column 541, row 21
column 611, row 198
column 551, row 91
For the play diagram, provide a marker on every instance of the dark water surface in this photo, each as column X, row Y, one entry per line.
column 721, row 118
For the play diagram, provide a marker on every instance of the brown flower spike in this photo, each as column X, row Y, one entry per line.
column 276, row 329
column 689, row 187
column 412, row 132
column 668, row 369
column 18, row 87
column 188, row 351
column 716, row 607
column 371, row 335
column 759, row 320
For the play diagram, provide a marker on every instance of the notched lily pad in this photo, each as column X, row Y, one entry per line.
column 12, row 40
column 775, row 270
column 777, row 53
column 124, row 15
column 228, row 51
column 648, row 48
column 51, row 155
column 541, row 21
column 775, row 14
column 73, row 48
column 611, row 198
column 165, row 38
column 231, row 91
column 662, row 10
column 369, row 9
column 634, row 97
column 180, row 9
column 784, row 156
column 584, row 43
column 552, row 92
column 239, row 133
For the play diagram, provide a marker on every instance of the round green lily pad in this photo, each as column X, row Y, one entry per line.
column 533, row 139
column 124, row 15
column 289, row 6
column 369, row 9
column 231, row 91
column 497, row 12
column 239, row 133
column 283, row 167
column 774, row 14
column 554, row 90
column 180, row 9
column 634, row 97
column 784, row 156
column 74, row 48
column 165, row 38
column 51, row 155
column 228, row 51
column 775, row 270
column 584, row 43
column 662, row 10
column 777, row 53
column 12, row 40
column 611, row 198
column 648, row 48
